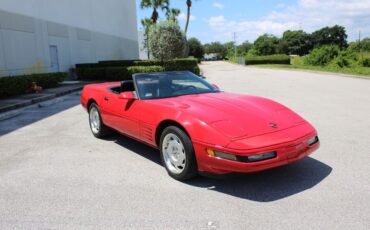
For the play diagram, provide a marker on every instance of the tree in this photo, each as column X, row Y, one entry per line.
column 243, row 48
column 335, row 35
column 363, row 45
column 217, row 48
column 155, row 4
column 230, row 49
column 188, row 4
column 282, row 47
column 172, row 14
column 195, row 48
column 296, row 42
column 167, row 41
column 266, row 45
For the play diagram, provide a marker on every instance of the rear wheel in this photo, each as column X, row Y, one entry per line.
column 177, row 153
column 97, row 126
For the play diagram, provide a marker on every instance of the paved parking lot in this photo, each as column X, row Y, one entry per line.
column 55, row 175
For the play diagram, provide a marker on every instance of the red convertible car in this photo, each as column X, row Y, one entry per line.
column 197, row 127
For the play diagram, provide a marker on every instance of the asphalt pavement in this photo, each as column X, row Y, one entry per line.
column 55, row 175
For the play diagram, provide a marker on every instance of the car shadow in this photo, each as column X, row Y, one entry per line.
column 265, row 186
column 137, row 147
column 37, row 112
column 269, row 185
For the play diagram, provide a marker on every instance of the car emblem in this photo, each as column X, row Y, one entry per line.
column 273, row 125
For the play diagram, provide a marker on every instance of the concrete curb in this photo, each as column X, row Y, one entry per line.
column 38, row 99
column 50, row 102
column 10, row 114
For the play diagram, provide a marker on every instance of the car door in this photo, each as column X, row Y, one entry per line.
column 122, row 114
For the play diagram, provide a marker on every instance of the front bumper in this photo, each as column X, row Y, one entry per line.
column 286, row 153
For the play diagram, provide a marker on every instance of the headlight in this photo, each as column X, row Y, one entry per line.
column 253, row 158
column 261, row 157
column 221, row 155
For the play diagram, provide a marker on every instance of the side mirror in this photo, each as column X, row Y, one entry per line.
column 129, row 95
column 216, row 86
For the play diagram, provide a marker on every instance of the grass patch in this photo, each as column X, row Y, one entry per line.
column 360, row 71
column 297, row 63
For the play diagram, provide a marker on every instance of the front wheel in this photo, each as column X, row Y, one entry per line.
column 97, row 126
column 177, row 153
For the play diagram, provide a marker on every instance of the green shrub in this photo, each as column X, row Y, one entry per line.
column 340, row 62
column 93, row 73
column 145, row 69
column 196, row 70
column 184, row 62
column 15, row 85
column 149, row 62
column 271, row 59
column 117, row 74
column 87, row 65
column 297, row 61
column 366, row 62
column 80, row 71
column 345, row 58
column 117, row 63
column 322, row 56
column 177, row 62
column 150, row 69
column 180, row 64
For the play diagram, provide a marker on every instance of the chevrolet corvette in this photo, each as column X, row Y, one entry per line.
column 197, row 127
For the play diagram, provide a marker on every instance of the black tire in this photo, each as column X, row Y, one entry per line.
column 190, row 169
column 102, row 130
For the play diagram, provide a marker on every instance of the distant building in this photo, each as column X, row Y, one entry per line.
column 50, row 36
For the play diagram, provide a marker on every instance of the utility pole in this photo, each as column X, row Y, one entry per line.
column 359, row 36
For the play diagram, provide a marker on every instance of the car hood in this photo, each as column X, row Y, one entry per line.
column 237, row 116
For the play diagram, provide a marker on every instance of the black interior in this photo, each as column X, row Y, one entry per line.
column 124, row 87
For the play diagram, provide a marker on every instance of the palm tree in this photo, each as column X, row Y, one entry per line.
column 188, row 3
column 172, row 14
column 155, row 4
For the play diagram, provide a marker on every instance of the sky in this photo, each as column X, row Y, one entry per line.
column 218, row 20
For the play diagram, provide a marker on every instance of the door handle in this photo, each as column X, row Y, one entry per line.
column 106, row 98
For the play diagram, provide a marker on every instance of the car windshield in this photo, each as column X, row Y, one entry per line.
column 171, row 84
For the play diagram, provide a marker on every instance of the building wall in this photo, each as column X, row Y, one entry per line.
column 143, row 51
column 82, row 31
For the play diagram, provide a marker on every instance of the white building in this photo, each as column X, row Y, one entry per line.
column 143, row 52
column 53, row 35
